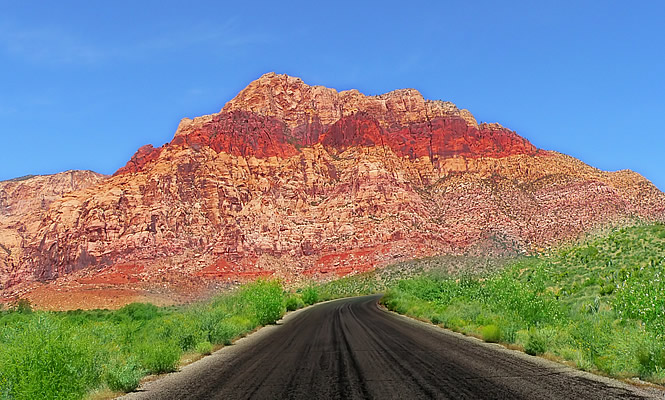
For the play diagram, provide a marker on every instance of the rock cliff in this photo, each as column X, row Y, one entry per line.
column 23, row 204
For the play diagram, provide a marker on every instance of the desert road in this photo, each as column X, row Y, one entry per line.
column 352, row 349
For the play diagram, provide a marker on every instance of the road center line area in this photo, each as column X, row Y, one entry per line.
column 352, row 349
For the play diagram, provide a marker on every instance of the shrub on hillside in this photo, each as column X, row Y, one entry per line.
column 652, row 359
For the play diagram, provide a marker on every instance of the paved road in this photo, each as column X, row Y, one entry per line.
column 351, row 349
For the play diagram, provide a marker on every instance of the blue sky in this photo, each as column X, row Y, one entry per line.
column 84, row 84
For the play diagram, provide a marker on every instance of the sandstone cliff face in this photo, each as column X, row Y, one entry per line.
column 295, row 181
column 23, row 204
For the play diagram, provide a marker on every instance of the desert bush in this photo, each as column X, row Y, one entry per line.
column 123, row 375
column 203, row 348
column 265, row 300
column 158, row 357
column 293, row 302
column 310, row 295
column 40, row 357
column 181, row 328
column 491, row 333
column 41, row 352
column 651, row 358
column 536, row 344
column 224, row 332
column 137, row 312
column 22, row 306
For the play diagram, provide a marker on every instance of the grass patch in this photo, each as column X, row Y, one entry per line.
column 123, row 375
column 204, row 348
column 310, row 295
column 491, row 333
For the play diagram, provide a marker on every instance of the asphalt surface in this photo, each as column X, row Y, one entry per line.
column 351, row 349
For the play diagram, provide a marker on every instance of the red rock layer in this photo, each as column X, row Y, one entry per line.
column 250, row 135
column 143, row 156
column 241, row 134
column 442, row 137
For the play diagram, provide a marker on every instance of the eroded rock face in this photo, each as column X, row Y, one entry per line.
column 295, row 181
column 23, row 204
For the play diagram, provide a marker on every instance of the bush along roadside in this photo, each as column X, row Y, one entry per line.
column 599, row 305
column 58, row 355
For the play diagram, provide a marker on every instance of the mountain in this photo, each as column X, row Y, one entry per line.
column 299, row 181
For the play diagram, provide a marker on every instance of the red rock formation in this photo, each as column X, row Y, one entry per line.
column 295, row 181
column 241, row 133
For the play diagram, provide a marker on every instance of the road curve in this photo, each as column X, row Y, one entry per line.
column 351, row 349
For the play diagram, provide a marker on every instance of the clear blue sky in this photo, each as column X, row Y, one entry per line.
column 84, row 84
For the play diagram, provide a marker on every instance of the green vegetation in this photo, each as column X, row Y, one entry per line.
column 310, row 295
column 356, row 285
column 123, row 375
column 491, row 333
column 293, row 302
column 599, row 305
column 51, row 355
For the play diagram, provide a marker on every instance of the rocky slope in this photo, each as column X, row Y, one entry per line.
column 295, row 181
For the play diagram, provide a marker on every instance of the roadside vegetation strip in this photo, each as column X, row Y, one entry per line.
column 599, row 305
column 66, row 355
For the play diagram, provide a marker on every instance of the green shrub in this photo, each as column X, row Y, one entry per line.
column 491, row 333
column 310, row 295
column 536, row 344
column 42, row 358
column 436, row 319
column 204, row 348
column 41, row 352
column 224, row 332
column 159, row 357
column 138, row 312
column 179, row 327
column 123, row 375
column 651, row 359
column 265, row 300
column 23, row 306
column 606, row 289
column 294, row 302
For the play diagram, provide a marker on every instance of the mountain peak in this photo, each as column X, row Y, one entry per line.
column 296, row 103
column 277, row 115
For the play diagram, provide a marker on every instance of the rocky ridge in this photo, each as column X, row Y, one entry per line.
column 294, row 181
